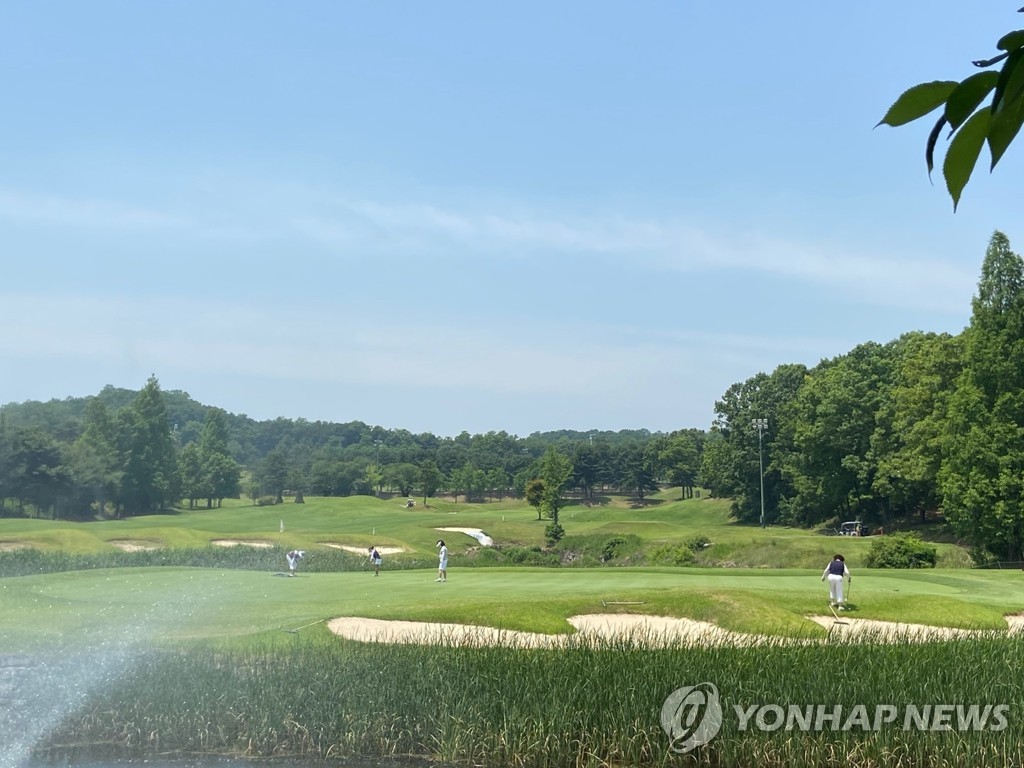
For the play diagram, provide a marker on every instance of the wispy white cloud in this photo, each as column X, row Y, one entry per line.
column 889, row 279
column 80, row 212
column 398, row 231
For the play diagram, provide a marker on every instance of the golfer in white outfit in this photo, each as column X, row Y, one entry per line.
column 442, row 563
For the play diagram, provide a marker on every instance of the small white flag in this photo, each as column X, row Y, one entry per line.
column 282, row 526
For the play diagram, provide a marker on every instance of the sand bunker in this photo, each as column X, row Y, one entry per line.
column 13, row 546
column 236, row 543
column 650, row 631
column 476, row 533
column 363, row 550
column 894, row 630
column 131, row 545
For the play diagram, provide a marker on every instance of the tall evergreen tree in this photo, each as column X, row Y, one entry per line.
column 147, row 451
column 94, row 458
column 982, row 478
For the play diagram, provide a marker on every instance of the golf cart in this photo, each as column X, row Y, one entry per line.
column 853, row 528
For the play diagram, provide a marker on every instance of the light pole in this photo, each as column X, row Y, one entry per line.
column 760, row 425
column 380, row 476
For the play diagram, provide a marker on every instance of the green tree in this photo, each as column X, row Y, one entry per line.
column 274, row 474
column 147, row 452
column 497, row 482
column 831, row 467
column 909, row 441
column 458, row 481
column 680, row 454
column 982, row 478
column 732, row 458
column 94, row 459
column 535, row 496
column 430, row 479
column 402, row 476
column 639, row 473
column 966, row 118
column 555, row 471
column 190, row 472
column 37, row 474
column 220, row 472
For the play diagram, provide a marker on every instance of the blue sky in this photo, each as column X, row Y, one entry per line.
column 454, row 216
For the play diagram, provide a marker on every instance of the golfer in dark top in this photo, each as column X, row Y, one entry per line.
column 835, row 572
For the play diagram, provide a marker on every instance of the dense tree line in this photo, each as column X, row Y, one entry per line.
column 124, row 452
column 888, row 433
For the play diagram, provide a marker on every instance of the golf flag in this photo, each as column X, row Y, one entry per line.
column 282, row 526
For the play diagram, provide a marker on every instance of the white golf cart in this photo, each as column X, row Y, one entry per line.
column 853, row 528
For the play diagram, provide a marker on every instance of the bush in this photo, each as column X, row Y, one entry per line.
column 610, row 547
column 901, row 550
column 528, row 556
column 672, row 554
column 553, row 533
column 266, row 501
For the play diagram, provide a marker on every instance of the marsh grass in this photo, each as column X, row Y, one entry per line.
column 592, row 703
column 25, row 562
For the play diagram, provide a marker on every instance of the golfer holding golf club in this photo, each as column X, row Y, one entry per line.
column 375, row 559
column 835, row 572
column 293, row 560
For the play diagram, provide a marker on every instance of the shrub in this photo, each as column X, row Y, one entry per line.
column 698, row 543
column 609, row 549
column 672, row 554
column 528, row 556
column 901, row 550
column 266, row 501
column 553, row 533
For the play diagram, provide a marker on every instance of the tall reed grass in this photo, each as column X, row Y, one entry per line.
column 593, row 703
column 25, row 562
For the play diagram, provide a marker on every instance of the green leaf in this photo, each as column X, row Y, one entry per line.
column 1011, row 41
column 1004, row 127
column 963, row 152
column 966, row 97
column 917, row 102
column 933, row 137
column 1009, row 79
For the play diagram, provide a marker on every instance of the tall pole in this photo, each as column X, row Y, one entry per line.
column 378, row 444
column 760, row 425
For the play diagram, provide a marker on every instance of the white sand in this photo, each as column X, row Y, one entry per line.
column 364, row 550
column 234, row 543
column 893, row 630
column 128, row 545
column 476, row 533
column 652, row 630
column 649, row 630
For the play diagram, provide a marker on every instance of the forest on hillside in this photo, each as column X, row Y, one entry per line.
column 928, row 425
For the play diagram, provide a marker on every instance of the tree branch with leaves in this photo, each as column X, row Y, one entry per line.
column 971, row 123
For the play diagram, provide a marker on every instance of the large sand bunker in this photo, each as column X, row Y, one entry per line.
column 655, row 631
column 133, row 545
column 237, row 543
column 364, row 550
column 476, row 533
